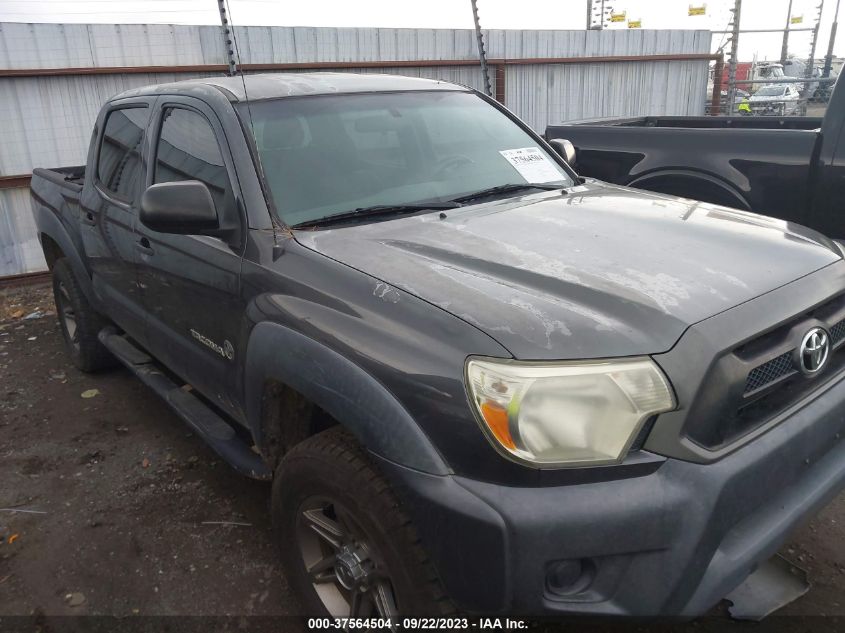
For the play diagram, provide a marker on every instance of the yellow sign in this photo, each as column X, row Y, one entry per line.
column 635, row 24
column 618, row 17
column 702, row 10
column 796, row 19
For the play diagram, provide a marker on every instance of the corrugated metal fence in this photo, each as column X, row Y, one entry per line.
column 55, row 77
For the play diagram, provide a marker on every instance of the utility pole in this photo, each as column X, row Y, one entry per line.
column 228, row 38
column 737, row 10
column 828, row 60
column 784, row 51
column 482, row 55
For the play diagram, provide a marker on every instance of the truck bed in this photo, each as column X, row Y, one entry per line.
column 55, row 206
column 760, row 164
column 66, row 177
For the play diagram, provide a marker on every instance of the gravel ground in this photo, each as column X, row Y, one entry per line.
column 129, row 514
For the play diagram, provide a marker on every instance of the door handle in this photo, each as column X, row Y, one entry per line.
column 143, row 245
column 88, row 218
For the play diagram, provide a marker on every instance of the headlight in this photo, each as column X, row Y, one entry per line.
column 567, row 413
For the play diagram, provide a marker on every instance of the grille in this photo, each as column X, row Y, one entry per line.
column 772, row 384
column 837, row 333
column 771, row 371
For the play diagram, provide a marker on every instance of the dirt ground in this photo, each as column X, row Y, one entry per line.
column 127, row 513
column 109, row 506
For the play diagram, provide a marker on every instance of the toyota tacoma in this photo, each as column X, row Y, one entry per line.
column 479, row 382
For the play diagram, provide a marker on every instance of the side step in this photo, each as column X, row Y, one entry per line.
column 202, row 419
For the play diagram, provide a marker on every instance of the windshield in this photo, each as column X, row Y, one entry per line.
column 325, row 155
column 771, row 91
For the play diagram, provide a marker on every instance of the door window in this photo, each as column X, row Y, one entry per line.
column 187, row 150
column 119, row 159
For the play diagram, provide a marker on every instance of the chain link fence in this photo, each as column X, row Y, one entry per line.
column 773, row 96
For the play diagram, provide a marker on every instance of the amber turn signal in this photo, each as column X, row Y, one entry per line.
column 497, row 420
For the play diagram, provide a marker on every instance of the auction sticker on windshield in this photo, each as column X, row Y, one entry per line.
column 532, row 164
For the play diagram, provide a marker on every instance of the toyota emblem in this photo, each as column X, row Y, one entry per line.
column 814, row 350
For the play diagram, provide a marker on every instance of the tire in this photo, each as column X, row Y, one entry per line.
column 79, row 322
column 328, row 485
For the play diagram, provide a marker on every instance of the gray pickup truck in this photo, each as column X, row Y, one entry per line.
column 479, row 382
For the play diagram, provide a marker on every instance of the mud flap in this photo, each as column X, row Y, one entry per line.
column 774, row 584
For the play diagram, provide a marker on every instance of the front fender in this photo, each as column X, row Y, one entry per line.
column 342, row 389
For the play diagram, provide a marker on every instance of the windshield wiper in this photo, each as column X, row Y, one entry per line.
column 379, row 209
column 509, row 188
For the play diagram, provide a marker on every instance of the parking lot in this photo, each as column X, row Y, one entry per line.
column 120, row 511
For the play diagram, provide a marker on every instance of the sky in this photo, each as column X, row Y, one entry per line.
column 499, row 14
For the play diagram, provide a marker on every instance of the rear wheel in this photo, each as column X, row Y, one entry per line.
column 348, row 549
column 79, row 322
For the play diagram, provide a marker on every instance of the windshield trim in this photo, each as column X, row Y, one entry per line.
column 242, row 111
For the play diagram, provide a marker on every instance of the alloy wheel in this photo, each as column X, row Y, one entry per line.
column 68, row 315
column 345, row 568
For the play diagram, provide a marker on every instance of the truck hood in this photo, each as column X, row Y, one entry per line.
column 596, row 272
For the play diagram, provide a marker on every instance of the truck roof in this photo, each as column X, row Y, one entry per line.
column 275, row 85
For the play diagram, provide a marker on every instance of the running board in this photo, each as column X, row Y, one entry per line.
column 202, row 419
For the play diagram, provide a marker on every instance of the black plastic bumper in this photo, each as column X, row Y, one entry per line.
column 670, row 543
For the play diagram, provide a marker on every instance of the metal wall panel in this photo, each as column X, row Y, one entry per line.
column 20, row 251
column 85, row 45
column 553, row 93
column 48, row 120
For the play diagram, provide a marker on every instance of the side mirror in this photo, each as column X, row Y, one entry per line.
column 185, row 207
column 565, row 149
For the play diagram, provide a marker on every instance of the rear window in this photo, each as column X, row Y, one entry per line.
column 119, row 161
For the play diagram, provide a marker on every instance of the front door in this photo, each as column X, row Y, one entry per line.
column 190, row 283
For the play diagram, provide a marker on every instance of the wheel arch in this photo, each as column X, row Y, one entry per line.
column 51, row 249
column 279, row 359
column 56, row 242
column 692, row 184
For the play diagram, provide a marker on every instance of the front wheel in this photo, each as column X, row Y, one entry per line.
column 348, row 549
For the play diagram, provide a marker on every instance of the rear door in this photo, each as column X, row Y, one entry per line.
column 190, row 283
column 109, row 210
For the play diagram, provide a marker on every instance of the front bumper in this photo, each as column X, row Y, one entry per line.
column 673, row 542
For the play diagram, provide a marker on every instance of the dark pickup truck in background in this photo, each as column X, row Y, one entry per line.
column 791, row 168
column 476, row 381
